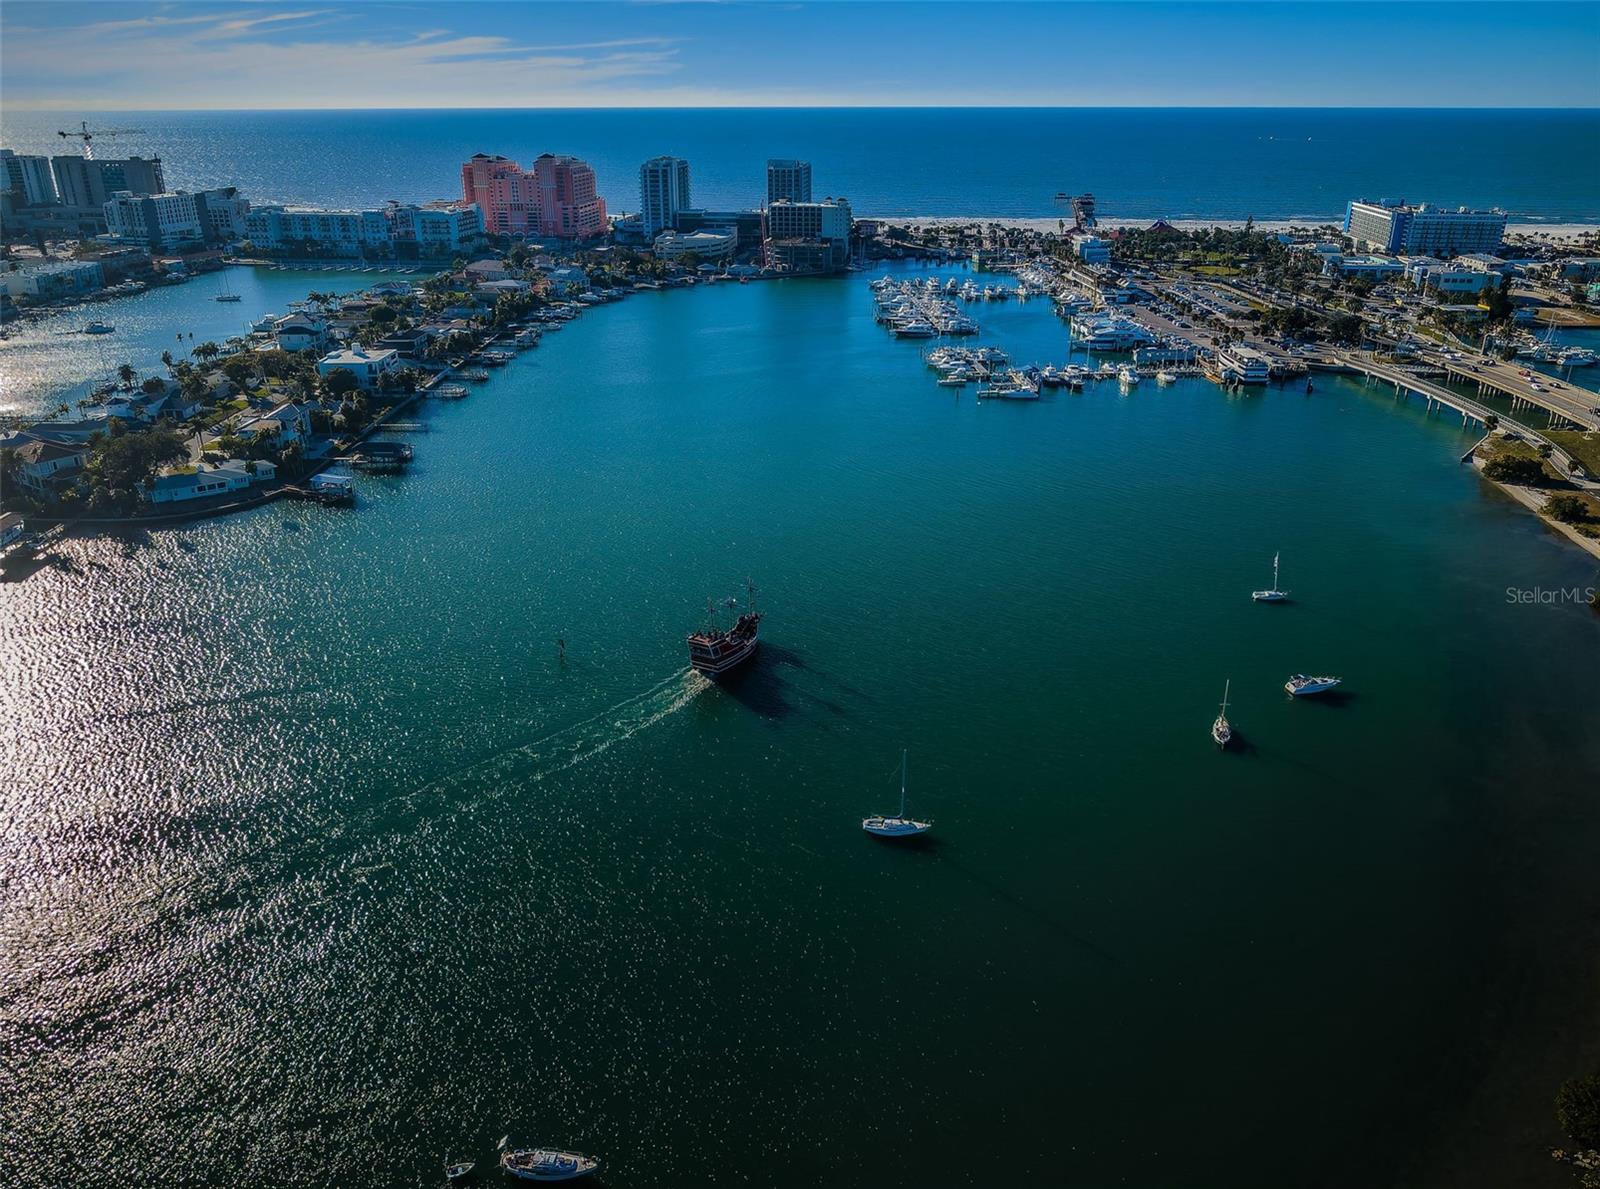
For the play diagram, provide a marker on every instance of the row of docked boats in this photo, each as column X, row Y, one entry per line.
column 1301, row 685
column 916, row 310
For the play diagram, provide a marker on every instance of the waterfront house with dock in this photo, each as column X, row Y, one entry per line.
column 206, row 480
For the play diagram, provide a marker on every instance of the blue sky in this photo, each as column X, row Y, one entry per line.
column 69, row 55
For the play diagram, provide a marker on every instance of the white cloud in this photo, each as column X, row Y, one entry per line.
column 223, row 60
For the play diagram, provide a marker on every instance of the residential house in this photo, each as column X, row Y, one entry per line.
column 45, row 467
column 284, row 424
column 369, row 367
column 300, row 332
column 204, row 480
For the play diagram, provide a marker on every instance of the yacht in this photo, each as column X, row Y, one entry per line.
column 898, row 826
column 1577, row 357
column 956, row 379
column 1165, row 377
column 1274, row 595
column 1221, row 732
column 546, row 1164
column 98, row 328
column 915, row 329
column 1301, row 686
column 1127, row 377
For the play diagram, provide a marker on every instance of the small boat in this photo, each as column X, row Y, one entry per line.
column 1221, row 732
column 898, row 826
column 1301, row 686
column 450, row 391
column 98, row 328
column 546, row 1164
column 1127, row 377
column 1274, row 595
column 457, row 1170
column 1165, row 377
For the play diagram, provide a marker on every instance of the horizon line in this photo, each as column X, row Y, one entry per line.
column 51, row 107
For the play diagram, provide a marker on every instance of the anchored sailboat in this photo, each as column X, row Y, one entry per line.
column 1274, row 595
column 898, row 826
column 1221, row 732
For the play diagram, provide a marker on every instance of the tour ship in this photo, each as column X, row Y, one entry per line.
column 713, row 651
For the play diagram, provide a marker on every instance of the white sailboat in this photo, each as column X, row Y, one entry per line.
column 1274, row 595
column 1221, row 732
column 898, row 826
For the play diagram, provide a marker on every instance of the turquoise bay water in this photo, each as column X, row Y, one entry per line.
column 320, row 862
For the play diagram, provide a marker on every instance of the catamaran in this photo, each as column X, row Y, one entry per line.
column 1301, row 686
column 898, row 826
column 1220, row 730
column 1274, row 595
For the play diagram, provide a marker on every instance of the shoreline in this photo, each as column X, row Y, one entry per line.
column 1547, row 231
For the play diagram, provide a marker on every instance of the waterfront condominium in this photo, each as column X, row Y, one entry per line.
column 565, row 198
column 788, row 181
column 1404, row 230
column 557, row 197
column 809, row 236
column 663, row 193
column 27, row 178
column 87, row 182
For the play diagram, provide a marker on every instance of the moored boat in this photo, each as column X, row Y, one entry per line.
column 1221, row 732
column 1301, row 686
column 546, row 1164
column 898, row 826
column 1274, row 595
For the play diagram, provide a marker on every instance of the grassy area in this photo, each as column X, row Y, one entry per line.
column 1499, row 446
column 1585, row 447
column 223, row 411
column 1216, row 270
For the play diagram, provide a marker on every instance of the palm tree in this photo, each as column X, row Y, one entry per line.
column 166, row 360
column 126, row 374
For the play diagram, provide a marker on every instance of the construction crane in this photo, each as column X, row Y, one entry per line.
column 87, row 135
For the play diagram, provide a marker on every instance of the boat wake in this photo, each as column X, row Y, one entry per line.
column 582, row 741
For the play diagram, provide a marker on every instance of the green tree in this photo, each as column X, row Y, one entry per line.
column 166, row 360
column 1578, row 1109
column 125, row 373
column 122, row 461
column 1568, row 509
column 340, row 381
column 1514, row 468
column 153, row 385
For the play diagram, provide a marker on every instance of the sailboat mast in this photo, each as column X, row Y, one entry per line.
column 902, row 783
column 1226, row 684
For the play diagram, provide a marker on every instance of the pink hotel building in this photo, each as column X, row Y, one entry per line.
column 555, row 198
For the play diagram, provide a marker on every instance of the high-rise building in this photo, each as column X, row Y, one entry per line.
column 1425, row 230
column 567, row 203
column 28, row 179
column 436, row 229
column 663, row 192
column 556, row 197
column 788, row 181
column 503, row 192
column 82, row 181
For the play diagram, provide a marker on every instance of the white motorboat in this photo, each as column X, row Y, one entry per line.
column 1127, row 377
column 1301, row 686
column 456, row 1170
column 1221, row 732
column 1274, row 595
column 546, row 1164
column 898, row 826
column 1165, row 377
column 915, row 329
column 98, row 328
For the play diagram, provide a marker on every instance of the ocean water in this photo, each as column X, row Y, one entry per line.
column 1139, row 162
column 321, row 862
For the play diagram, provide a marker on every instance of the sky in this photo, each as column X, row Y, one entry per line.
column 127, row 55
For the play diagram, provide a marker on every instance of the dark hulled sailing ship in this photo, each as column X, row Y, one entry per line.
column 714, row 650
